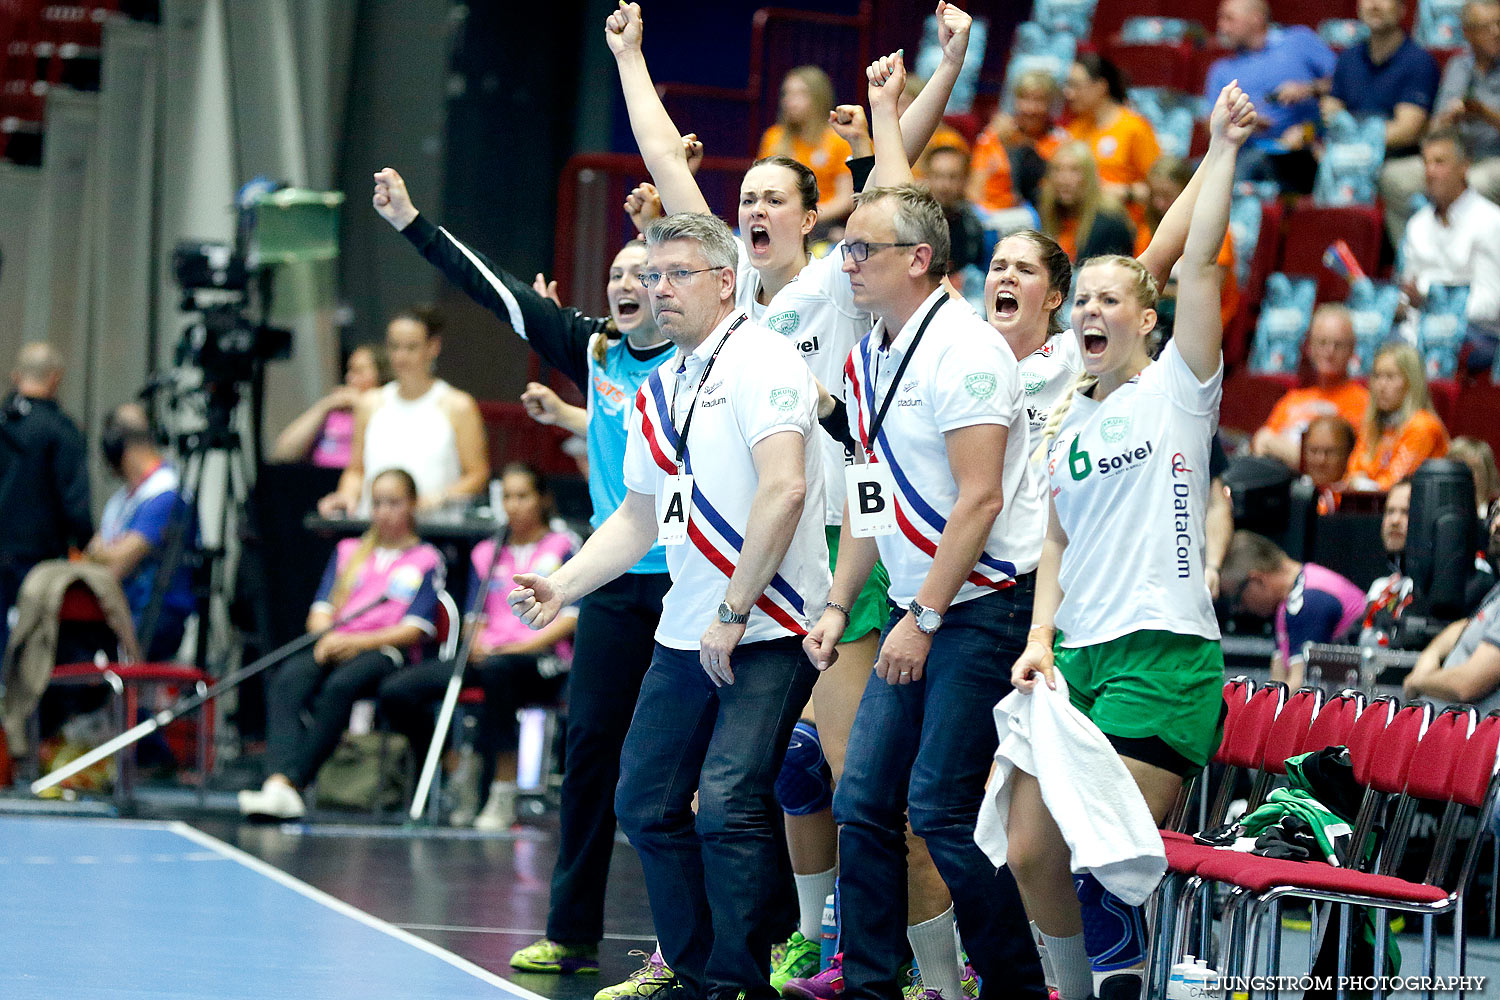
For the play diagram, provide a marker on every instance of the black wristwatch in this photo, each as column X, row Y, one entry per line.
column 728, row 617
column 928, row 620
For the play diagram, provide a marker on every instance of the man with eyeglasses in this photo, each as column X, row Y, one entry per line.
column 718, row 467
column 946, row 498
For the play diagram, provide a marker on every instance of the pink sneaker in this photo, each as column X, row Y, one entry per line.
column 826, row 985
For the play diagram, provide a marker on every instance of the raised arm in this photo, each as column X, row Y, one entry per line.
column 925, row 113
column 658, row 139
column 887, row 78
column 1200, row 332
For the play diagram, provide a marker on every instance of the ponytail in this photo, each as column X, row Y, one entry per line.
column 345, row 582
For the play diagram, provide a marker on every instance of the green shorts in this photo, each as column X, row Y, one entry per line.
column 870, row 609
column 1150, row 684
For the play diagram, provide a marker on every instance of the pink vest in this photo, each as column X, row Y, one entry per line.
column 402, row 579
column 543, row 558
column 336, row 441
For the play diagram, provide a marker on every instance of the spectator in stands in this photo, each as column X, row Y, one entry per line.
column 945, row 136
column 1310, row 603
column 1399, row 431
column 1389, row 595
column 948, row 179
column 1077, row 213
column 514, row 665
column 1165, row 182
column 803, row 133
column 1454, row 240
column 324, row 434
column 1284, row 70
column 1122, row 141
column 1480, row 459
column 350, row 661
column 1468, row 98
column 415, row 422
column 145, row 524
column 1392, row 77
column 1010, row 155
column 1326, row 447
column 1329, row 349
column 44, row 475
column 1462, row 665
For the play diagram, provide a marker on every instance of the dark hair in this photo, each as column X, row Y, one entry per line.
column 1059, row 270
column 957, row 151
column 807, row 181
column 1449, row 134
column 378, row 357
column 1100, row 68
column 428, row 316
column 1343, row 428
column 538, row 483
column 407, row 482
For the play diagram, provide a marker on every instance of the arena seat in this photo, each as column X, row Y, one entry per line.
column 1311, row 228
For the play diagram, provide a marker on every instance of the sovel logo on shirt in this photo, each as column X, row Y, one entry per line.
column 784, row 399
column 1114, row 428
column 980, row 385
column 785, row 322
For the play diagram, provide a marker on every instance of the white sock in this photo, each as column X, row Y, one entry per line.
column 1071, row 966
column 935, row 947
column 1049, row 975
column 812, row 892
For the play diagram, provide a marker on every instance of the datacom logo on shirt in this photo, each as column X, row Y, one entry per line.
column 1081, row 464
column 1181, row 513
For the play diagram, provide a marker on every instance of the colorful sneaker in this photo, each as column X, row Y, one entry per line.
column 647, row 981
column 800, row 959
column 551, row 956
column 916, row 991
column 826, row 985
column 970, row 982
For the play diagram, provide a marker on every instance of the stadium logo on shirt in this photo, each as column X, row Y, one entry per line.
column 403, row 584
column 1034, row 383
column 784, row 399
column 785, row 323
column 980, row 385
column 1114, row 428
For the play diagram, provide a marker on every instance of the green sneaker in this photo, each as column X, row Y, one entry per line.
column 801, row 959
column 916, row 991
column 648, row 980
column 551, row 956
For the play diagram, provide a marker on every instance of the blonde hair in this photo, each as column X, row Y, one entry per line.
column 1409, row 363
column 820, row 91
column 1468, row 449
column 1083, row 382
column 367, row 543
column 1092, row 199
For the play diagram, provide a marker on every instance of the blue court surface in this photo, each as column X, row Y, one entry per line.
column 116, row 910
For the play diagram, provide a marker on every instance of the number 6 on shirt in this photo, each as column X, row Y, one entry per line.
column 677, row 496
column 871, row 491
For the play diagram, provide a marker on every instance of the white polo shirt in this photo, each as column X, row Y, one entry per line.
column 1046, row 374
column 758, row 387
column 963, row 373
column 1129, row 478
column 816, row 313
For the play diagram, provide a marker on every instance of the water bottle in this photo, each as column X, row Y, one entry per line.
column 830, row 935
column 1208, row 981
column 1177, row 988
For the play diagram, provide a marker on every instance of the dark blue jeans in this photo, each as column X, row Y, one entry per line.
column 927, row 747
column 718, row 881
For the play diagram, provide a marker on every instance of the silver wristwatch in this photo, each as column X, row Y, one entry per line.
column 728, row 617
column 928, row 620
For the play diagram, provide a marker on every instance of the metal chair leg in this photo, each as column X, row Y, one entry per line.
column 1158, row 960
column 1273, row 948
column 1382, row 929
column 1429, row 952
column 1343, row 962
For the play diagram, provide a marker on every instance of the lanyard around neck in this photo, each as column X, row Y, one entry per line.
column 687, row 423
column 884, row 408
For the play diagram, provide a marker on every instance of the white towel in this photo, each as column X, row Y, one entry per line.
column 1092, row 797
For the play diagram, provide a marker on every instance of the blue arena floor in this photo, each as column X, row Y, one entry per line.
column 118, row 910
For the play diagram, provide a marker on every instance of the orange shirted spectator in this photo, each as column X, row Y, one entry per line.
column 1011, row 153
column 1124, row 143
column 1165, row 181
column 1329, row 390
column 1077, row 213
column 944, row 137
column 803, row 133
column 1399, row 431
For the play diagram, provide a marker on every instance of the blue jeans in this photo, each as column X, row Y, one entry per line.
column 927, row 747
column 719, row 882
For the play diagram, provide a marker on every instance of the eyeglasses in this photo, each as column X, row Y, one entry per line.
column 674, row 278
column 860, row 251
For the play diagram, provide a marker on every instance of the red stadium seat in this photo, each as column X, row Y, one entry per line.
column 1162, row 64
column 1311, row 228
column 1310, row 14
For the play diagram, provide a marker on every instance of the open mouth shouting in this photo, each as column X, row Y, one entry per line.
column 628, row 308
column 1006, row 304
column 1095, row 342
column 760, row 238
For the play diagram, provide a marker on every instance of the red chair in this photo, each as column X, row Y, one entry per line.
column 1334, row 724
column 1454, row 764
column 125, row 679
column 1152, row 64
column 1311, row 228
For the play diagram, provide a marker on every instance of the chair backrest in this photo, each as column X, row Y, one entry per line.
column 80, row 605
column 1475, row 769
column 1433, row 762
column 1335, row 721
column 1237, row 694
column 1289, row 731
column 447, row 625
column 1246, row 745
column 1366, row 731
column 1395, row 747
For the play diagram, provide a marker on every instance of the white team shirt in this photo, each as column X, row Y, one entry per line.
column 962, row 374
column 757, row 388
column 1046, row 374
column 1129, row 478
column 816, row 313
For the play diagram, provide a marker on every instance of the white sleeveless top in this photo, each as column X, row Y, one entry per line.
column 411, row 434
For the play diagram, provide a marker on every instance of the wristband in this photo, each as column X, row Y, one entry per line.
column 839, row 607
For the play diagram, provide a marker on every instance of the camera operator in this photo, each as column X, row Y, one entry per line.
column 44, row 480
column 138, row 525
